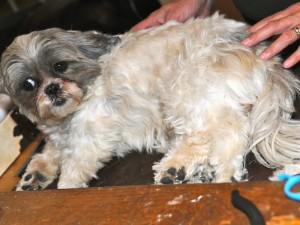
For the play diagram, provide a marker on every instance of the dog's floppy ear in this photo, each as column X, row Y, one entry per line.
column 6, row 103
column 93, row 44
column 2, row 90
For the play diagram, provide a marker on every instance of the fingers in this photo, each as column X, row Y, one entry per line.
column 280, row 24
column 152, row 20
column 273, row 25
column 270, row 29
column 149, row 22
column 284, row 40
column 173, row 11
column 162, row 15
column 293, row 59
column 179, row 10
column 277, row 16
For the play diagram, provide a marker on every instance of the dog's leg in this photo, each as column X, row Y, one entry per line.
column 214, row 155
column 42, row 169
column 80, row 167
column 228, row 157
column 181, row 162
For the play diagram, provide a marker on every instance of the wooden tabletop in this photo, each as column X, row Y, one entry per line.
column 163, row 204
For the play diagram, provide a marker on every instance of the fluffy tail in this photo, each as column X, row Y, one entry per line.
column 275, row 136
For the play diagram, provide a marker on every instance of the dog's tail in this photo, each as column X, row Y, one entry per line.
column 275, row 135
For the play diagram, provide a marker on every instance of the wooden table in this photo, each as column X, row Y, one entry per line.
column 163, row 204
column 199, row 204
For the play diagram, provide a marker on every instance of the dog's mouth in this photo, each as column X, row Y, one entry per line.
column 60, row 101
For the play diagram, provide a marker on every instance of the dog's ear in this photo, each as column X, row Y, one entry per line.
column 93, row 44
column 1, row 81
column 6, row 103
column 3, row 89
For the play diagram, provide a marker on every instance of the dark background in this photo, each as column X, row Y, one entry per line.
column 109, row 16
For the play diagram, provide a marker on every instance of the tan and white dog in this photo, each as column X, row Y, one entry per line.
column 191, row 91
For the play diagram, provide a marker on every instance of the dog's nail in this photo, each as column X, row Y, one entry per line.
column 172, row 171
column 166, row 180
column 233, row 179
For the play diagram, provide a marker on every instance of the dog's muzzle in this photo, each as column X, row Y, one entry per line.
column 54, row 93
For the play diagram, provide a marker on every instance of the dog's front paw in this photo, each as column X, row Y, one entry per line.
column 33, row 181
column 166, row 173
column 172, row 176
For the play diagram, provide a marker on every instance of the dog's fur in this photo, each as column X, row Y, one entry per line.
column 191, row 91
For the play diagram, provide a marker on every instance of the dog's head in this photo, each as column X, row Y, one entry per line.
column 47, row 73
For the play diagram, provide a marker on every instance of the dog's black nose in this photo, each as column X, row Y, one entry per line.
column 52, row 90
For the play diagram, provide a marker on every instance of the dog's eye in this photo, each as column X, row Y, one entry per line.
column 60, row 67
column 30, row 84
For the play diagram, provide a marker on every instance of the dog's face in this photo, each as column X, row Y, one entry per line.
column 47, row 72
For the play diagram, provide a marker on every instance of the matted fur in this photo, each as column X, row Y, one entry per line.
column 191, row 91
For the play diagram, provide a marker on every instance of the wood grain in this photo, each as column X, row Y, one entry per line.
column 10, row 145
column 164, row 204
column 9, row 179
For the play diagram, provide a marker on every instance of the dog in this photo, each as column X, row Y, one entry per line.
column 189, row 90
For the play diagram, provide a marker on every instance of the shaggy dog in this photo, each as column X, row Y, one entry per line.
column 191, row 91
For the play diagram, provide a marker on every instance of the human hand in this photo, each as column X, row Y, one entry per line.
column 180, row 10
column 282, row 24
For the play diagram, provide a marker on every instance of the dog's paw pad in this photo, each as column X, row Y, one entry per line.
column 205, row 175
column 40, row 177
column 32, row 181
column 30, row 187
column 173, row 175
column 172, row 171
column 167, row 180
column 28, row 177
column 181, row 174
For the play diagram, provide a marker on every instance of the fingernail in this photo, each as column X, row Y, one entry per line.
column 287, row 64
column 264, row 56
column 246, row 42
